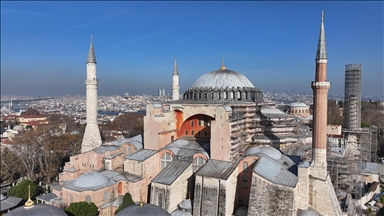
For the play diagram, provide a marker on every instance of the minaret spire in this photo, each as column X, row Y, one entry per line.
column 321, row 53
column 175, row 70
column 91, row 54
column 175, row 82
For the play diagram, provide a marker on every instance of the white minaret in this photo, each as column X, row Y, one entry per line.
column 175, row 82
column 92, row 138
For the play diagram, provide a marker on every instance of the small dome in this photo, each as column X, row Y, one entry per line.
column 145, row 210
column 222, row 79
column 91, row 180
column 37, row 210
column 266, row 150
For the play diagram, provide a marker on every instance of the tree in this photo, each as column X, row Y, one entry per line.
column 131, row 122
column 29, row 127
column 21, row 190
column 82, row 209
column 11, row 167
column 28, row 150
column 127, row 201
column 334, row 114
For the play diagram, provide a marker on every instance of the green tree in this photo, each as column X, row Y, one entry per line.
column 21, row 189
column 127, row 201
column 29, row 127
column 82, row 209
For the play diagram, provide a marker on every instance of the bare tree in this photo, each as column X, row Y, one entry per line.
column 11, row 166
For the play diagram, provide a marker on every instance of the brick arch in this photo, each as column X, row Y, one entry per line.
column 198, row 126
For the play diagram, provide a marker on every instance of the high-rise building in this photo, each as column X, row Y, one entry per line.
column 92, row 138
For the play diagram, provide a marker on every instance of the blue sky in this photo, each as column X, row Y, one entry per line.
column 44, row 45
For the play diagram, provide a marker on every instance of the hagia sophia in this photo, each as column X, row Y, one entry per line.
column 216, row 151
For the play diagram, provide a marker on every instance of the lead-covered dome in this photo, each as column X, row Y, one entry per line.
column 89, row 181
column 37, row 210
column 223, row 78
column 223, row 85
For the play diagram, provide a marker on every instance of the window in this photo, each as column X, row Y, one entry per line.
column 186, row 132
column 200, row 122
column 206, row 133
column 192, row 123
column 129, row 150
column 172, row 138
column 197, row 163
column 160, row 200
column 245, row 181
column 192, row 132
column 70, row 198
column 198, row 133
column 245, row 166
column 166, row 159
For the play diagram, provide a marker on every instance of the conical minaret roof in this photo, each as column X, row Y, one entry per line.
column 321, row 48
column 91, row 54
column 175, row 70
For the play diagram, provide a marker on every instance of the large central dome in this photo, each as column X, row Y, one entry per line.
column 223, row 78
column 223, row 85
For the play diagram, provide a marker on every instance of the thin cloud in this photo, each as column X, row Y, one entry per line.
column 189, row 37
column 9, row 11
column 132, row 56
column 37, row 38
column 94, row 23
column 151, row 35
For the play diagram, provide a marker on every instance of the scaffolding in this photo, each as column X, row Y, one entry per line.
column 345, row 168
column 352, row 96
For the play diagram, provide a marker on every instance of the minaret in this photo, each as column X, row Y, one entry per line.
column 92, row 138
column 320, row 98
column 175, row 82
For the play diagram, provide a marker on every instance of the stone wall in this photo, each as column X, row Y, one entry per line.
column 270, row 199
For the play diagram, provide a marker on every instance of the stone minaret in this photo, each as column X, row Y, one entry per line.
column 92, row 138
column 175, row 82
column 320, row 98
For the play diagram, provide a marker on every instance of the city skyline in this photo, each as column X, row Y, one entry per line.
column 45, row 44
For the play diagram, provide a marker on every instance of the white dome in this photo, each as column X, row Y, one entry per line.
column 90, row 180
column 299, row 104
column 222, row 79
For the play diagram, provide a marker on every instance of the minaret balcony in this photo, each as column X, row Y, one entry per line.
column 321, row 85
column 91, row 82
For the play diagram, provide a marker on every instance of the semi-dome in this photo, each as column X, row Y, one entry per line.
column 223, row 85
column 37, row 210
column 91, row 180
column 143, row 210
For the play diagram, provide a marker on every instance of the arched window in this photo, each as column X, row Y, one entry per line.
column 70, row 198
column 88, row 199
column 186, row 132
column 245, row 166
column 245, row 181
column 160, row 200
column 120, row 188
column 192, row 132
column 198, row 133
column 206, row 133
column 129, row 150
column 166, row 159
column 197, row 163
column 192, row 123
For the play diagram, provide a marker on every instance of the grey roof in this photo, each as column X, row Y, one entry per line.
column 137, row 141
column 113, row 175
column 266, row 150
column 175, row 70
column 321, row 48
column 185, row 149
column 171, row 172
column 306, row 212
column 37, row 210
column 298, row 104
column 89, row 181
column 141, row 155
column 217, row 169
column 47, row 197
column 272, row 112
column 9, row 202
column 275, row 172
column 91, row 54
column 145, row 210
column 103, row 149
column 222, row 79
column 186, row 204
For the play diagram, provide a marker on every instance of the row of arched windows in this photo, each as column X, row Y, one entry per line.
column 198, row 133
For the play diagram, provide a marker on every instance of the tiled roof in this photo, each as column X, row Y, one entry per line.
column 47, row 197
column 171, row 172
column 9, row 202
